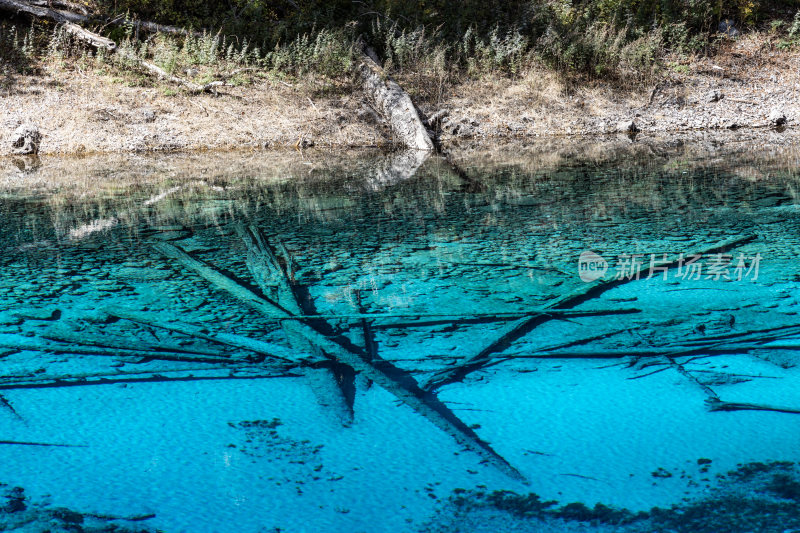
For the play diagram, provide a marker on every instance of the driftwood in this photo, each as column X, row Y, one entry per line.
column 523, row 326
column 61, row 5
column 163, row 74
column 68, row 19
column 391, row 379
column 394, row 104
column 42, row 11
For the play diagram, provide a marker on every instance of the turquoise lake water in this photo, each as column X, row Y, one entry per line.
column 318, row 342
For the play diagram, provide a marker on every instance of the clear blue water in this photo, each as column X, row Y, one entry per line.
column 242, row 344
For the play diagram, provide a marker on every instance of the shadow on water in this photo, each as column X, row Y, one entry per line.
column 631, row 304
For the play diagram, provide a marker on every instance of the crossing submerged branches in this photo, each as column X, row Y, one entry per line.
column 394, row 380
column 524, row 326
column 338, row 353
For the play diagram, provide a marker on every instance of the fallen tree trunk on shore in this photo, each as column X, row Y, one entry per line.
column 61, row 11
column 394, row 103
column 71, row 23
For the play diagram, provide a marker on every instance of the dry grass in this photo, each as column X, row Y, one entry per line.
column 88, row 111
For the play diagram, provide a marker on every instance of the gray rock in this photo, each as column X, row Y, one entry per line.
column 146, row 115
column 777, row 117
column 436, row 118
column 26, row 139
column 465, row 127
column 726, row 26
column 714, row 96
column 627, row 126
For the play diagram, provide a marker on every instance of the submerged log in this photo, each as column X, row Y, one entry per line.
column 715, row 404
column 498, row 317
column 395, row 381
column 524, row 326
column 152, row 377
column 395, row 105
column 6, row 405
column 267, row 349
column 33, row 377
column 23, row 443
column 333, row 386
column 83, row 338
column 25, row 343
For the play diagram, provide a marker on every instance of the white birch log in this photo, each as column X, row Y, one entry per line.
column 394, row 103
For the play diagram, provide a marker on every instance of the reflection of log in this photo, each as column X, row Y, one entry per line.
column 393, row 380
column 715, row 404
column 395, row 168
column 523, row 326
column 395, row 105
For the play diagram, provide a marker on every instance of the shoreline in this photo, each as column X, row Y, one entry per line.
column 744, row 91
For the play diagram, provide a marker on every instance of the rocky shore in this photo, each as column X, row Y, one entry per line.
column 751, row 86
